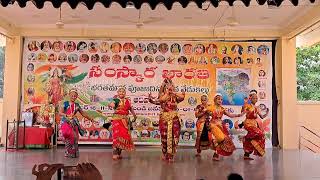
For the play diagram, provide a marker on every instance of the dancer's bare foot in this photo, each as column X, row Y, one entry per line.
column 170, row 160
column 198, row 155
column 115, row 157
column 216, row 157
column 248, row 158
column 163, row 157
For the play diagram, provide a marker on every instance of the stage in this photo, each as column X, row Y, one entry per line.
column 145, row 164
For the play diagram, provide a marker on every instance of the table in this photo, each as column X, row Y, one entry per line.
column 35, row 137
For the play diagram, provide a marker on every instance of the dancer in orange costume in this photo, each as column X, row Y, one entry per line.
column 254, row 141
column 219, row 135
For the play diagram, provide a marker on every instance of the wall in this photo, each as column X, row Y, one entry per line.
column 308, row 116
column 287, row 129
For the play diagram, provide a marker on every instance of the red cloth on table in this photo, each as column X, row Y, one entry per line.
column 33, row 136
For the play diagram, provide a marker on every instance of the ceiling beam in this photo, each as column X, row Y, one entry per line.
column 152, row 33
column 308, row 20
column 7, row 28
column 310, row 38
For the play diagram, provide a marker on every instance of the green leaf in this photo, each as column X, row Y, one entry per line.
column 76, row 79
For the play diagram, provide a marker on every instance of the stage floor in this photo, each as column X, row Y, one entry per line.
column 145, row 164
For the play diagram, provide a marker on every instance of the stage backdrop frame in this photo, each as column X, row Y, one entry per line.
column 198, row 67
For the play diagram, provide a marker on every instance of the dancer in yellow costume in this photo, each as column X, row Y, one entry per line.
column 218, row 134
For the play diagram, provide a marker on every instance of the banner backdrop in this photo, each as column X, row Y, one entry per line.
column 98, row 67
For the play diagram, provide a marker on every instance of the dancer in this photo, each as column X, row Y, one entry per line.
column 120, row 121
column 170, row 123
column 254, row 141
column 219, row 134
column 70, row 124
column 203, row 115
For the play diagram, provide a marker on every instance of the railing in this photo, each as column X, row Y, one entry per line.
column 307, row 145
